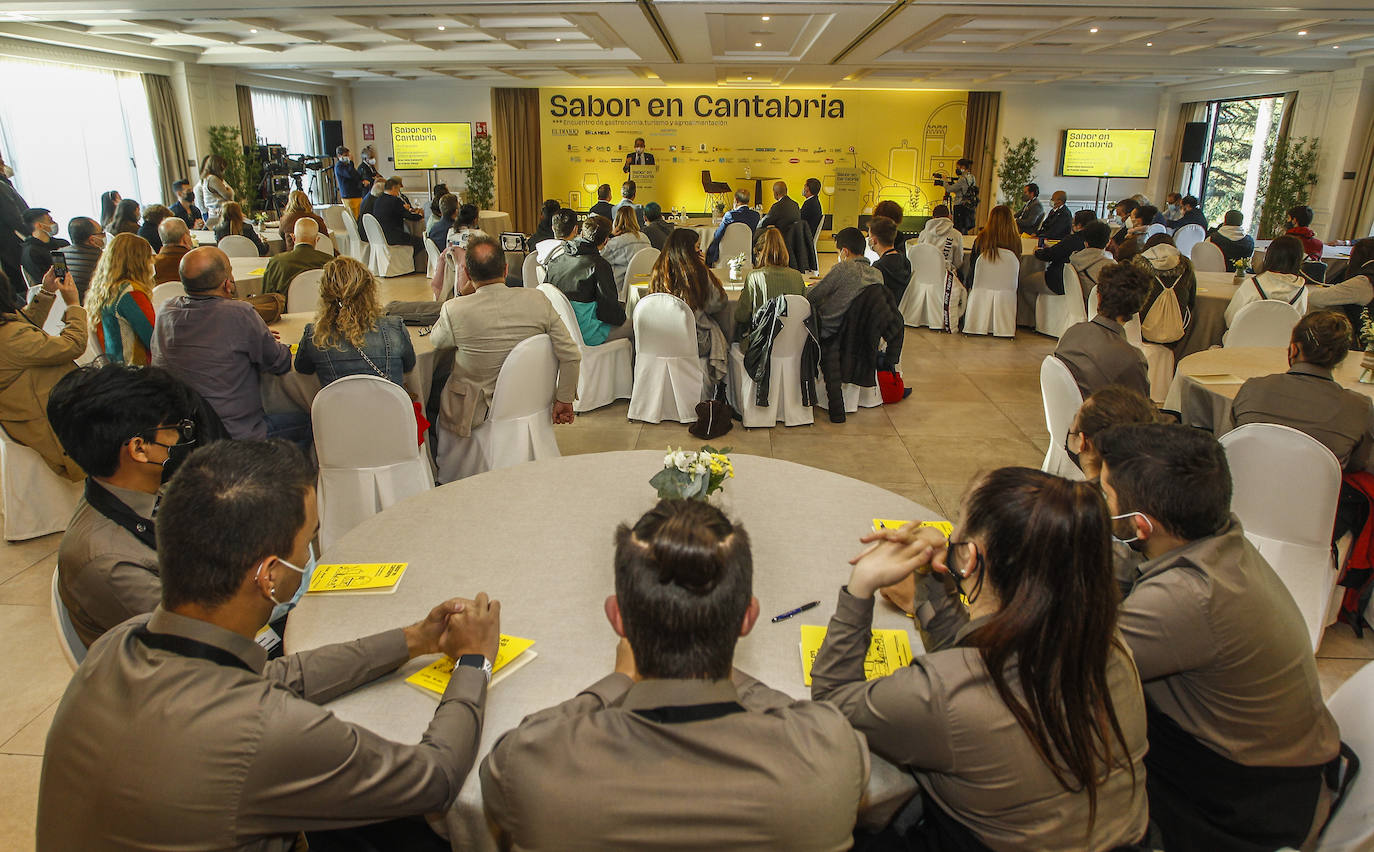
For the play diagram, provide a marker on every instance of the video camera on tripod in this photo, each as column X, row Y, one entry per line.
column 279, row 171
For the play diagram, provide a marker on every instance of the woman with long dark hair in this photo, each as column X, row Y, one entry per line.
column 125, row 219
column 233, row 222
column 1024, row 722
column 999, row 233
column 681, row 270
column 109, row 200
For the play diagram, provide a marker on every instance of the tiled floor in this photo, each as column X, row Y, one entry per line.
column 975, row 406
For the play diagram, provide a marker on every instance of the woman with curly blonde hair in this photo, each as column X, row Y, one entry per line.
column 350, row 336
column 119, row 300
column 298, row 207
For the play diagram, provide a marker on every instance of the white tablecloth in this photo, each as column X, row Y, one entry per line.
column 494, row 222
column 538, row 537
column 248, row 273
column 271, row 237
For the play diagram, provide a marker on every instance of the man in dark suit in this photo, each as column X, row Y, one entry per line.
column 1058, row 223
column 638, row 157
column 603, row 207
column 1033, row 213
column 741, row 213
column 784, row 213
column 392, row 214
column 811, row 205
column 349, row 181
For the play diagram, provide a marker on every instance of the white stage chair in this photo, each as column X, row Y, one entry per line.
column 1061, row 397
column 669, row 377
column 1284, row 488
column 923, row 303
column 384, row 260
column 73, row 651
column 642, row 265
column 346, row 235
column 784, row 375
column 737, row 240
column 37, row 501
column 163, row 293
column 1267, row 322
column 1054, row 314
column 367, row 463
column 529, row 271
column 1187, row 237
column 324, row 244
column 303, row 291
column 1207, row 257
column 433, row 253
column 237, row 245
column 607, row 372
column 992, row 297
column 519, row 425
column 1351, row 828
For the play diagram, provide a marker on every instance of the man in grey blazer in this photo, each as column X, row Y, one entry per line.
column 1032, row 212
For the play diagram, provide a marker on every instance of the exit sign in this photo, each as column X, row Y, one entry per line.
column 368, row 132
column 481, row 131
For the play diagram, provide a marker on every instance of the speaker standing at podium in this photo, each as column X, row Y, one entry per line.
column 638, row 157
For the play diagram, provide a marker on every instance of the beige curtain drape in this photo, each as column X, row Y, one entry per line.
column 515, row 143
column 320, row 103
column 248, row 133
column 980, row 145
column 1189, row 112
column 1356, row 219
column 167, row 138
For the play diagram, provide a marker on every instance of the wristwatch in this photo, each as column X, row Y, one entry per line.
column 477, row 661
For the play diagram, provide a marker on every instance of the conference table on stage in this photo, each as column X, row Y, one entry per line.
column 538, row 538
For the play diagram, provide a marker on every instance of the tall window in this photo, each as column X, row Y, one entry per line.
column 286, row 119
column 64, row 158
column 1242, row 134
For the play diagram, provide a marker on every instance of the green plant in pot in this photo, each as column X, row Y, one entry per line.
column 1017, row 168
column 244, row 175
column 1288, row 182
column 480, row 185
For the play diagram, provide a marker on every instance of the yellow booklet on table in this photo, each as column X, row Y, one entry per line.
column 889, row 651
column 514, row 654
column 943, row 526
column 377, row 578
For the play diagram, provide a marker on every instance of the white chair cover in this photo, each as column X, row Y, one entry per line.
column 1207, row 257
column 384, row 260
column 346, row 235
column 433, row 252
column 324, row 245
column 1054, row 314
column 607, row 371
column 237, row 245
column 73, row 651
column 37, row 501
column 642, row 264
column 519, row 425
column 369, row 458
column 1267, row 322
column 331, row 215
column 529, row 271
column 1060, row 394
column 737, row 240
column 992, row 298
column 1351, row 828
column 669, row 377
column 923, row 303
column 303, row 291
column 164, row 292
column 1159, row 365
column 1187, row 237
column 784, row 375
column 1284, row 488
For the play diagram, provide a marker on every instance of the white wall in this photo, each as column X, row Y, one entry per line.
column 379, row 104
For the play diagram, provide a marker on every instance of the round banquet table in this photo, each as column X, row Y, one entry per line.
column 494, row 222
column 1207, row 382
column 479, row 535
column 248, row 272
column 271, row 237
column 1336, row 258
column 1214, row 293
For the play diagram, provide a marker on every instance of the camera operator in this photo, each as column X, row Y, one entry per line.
column 961, row 192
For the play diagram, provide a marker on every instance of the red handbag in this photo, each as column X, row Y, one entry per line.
column 890, row 385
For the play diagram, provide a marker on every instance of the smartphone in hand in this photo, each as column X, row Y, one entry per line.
column 59, row 266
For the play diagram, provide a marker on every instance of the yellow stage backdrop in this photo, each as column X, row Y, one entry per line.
column 892, row 141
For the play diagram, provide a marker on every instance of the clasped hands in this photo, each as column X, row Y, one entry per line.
column 893, row 558
column 456, row 627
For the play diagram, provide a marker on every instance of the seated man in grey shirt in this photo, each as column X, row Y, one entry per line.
column 1096, row 351
column 178, row 733
column 1240, row 739
column 128, row 428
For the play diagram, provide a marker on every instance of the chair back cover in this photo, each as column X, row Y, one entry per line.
column 1061, row 397
column 1267, row 322
column 237, row 245
column 303, row 292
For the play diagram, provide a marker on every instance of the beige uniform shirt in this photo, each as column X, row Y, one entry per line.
column 1224, row 652
column 942, row 718
column 32, row 362
column 153, row 750
column 591, row 774
column 1098, row 355
column 105, row 575
column 1309, row 400
column 484, row 327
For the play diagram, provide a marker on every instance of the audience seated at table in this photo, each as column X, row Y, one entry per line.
column 447, row 220
column 350, row 336
column 625, row 242
column 1121, row 220
column 235, row 751
column 939, row 231
column 213, row 191
column 602, row 207
column 999, row 233
column 1173, row 206
column 83, row 255
column 1355, row 291
column 1058, row 222
column 483, row 327
column 628, row 190
column 696, row 754
column 1090, row 260
column 830, row 299
column 298, row 207
column 284, row 267
column 1096, row 351
column 1033, row 665
column 125, row 218
column 153, row 215
column 544, row 230
column 784, row 213
column 120, row 300
column 1113, row 405
column 1190, row 213
column 219, row 346
column 368, row 204
column 393, row 215
column 129, row 428
column 1235, row 244
column 565, row 227
column 681, row 271
column 1050, row 280
column 109, row 202
column 582, row 274
column 770, row 278
column 1300, row 226
column 1032, row 211
column 1142, row 228
column 184, row 206
column 1239, row 736
column 41, row 242
column 176, row 241
column 811, row 212
column 656, row 228
column 1170, row 274
column 892, row 263
column 233, row 222
column 32, row 362
column 1281, row 280
column 742, row 212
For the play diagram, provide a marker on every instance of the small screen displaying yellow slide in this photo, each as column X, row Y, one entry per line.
column 1107, row 153
column 432, row 145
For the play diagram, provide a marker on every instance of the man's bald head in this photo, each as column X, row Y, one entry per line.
column 204, row 269
column 779, row 189
column 1060, row 198
column 173, row 231
column 306, row 231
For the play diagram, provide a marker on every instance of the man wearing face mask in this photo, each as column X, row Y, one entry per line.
column 638, row 157
column 962, row 193
column 180, row 734
column 41, row 242
column 349, row 181
column 185, row 207
column 1240, row 739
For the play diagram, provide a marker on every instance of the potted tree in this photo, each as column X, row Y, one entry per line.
column 1017, row 168
column 480, row 186
column 1291, row 176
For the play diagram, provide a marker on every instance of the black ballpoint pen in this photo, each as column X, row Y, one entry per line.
column 797, row 611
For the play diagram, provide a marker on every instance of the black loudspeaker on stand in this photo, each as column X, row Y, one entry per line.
column 331, row 136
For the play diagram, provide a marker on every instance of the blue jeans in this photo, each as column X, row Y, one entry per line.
column 293, row 426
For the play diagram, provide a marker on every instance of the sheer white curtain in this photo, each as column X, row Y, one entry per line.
column 64, row 157
column 283, row 118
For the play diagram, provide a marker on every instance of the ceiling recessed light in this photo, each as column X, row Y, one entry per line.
column 963, row 42
column 441, row 28
column 1302, row 32
column 1093, row 30
column 1335, row 47
column 558, row 39
column 1149, row 44
column 254, row 32
column 766, row 18
column 758, row 44
column 748, row 78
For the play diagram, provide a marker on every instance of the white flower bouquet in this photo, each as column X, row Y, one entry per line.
column 692, row 474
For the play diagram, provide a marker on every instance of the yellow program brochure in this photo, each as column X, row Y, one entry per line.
column 943, row 526
column 889, row 651
column 513, row 655
column 375, row 577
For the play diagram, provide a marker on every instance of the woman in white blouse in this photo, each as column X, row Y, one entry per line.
column 1281, row 280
